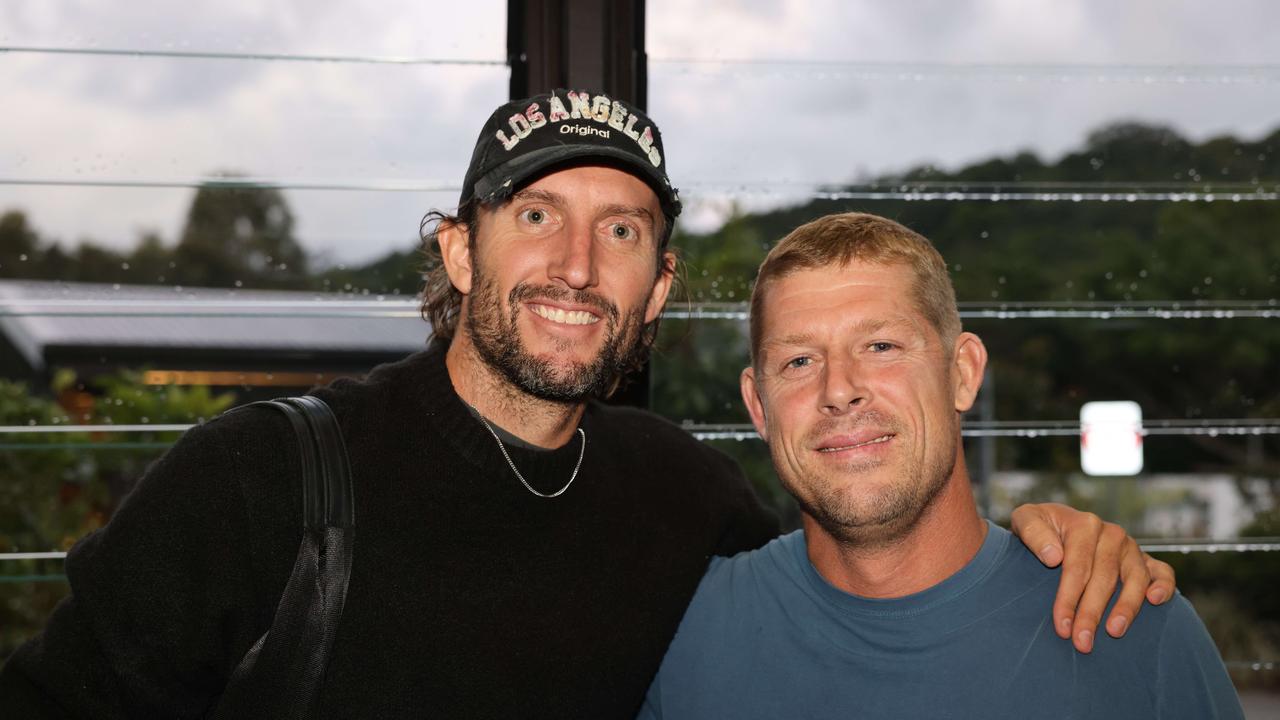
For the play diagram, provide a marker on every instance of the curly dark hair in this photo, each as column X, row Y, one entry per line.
column 442, row 303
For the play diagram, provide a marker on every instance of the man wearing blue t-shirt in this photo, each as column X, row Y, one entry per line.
column 896, row 600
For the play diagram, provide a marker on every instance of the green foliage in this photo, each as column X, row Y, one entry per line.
column 1060, row 252
column 1235, row 595
column 47, row 500
column 125, row 400
column 233, row 237
column 58, row 487
column 43, row 505
column 397, row 273
column 21, row 254
column 237, row 236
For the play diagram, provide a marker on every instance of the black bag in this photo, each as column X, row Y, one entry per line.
column 281, row 675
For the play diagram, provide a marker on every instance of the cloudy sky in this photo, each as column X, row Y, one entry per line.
column 757, row 100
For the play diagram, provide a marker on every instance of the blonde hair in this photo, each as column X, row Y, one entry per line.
column 836, row 240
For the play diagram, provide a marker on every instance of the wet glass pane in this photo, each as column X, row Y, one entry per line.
column 1103, row 182
column 363, row 117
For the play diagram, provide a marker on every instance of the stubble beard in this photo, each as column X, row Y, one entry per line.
column 892, row 512
column 496, row 337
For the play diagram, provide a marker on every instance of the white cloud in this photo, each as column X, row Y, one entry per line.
column 831, row 123
column 155, row 118
column 129, row 118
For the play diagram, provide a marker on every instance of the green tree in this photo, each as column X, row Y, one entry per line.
column 19, row 246
column 399, row 272
column 239, row 236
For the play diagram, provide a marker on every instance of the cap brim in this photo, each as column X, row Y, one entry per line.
column 500, row 183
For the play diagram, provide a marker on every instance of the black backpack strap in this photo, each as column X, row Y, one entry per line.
column 281, row 675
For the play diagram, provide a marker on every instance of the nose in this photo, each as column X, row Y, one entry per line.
column 843, row 387
column 573, row 260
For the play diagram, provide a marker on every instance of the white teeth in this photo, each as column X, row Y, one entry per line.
column 882, row 438
column 569, row 317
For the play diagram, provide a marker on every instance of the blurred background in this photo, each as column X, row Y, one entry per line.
column 214, row 202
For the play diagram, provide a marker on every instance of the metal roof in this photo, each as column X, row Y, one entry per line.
column 38, row 315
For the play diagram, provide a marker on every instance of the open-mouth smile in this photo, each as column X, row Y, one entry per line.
column 564, row 317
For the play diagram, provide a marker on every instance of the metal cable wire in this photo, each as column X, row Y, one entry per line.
column 1099, row 73
column 744, row 431
column 1022, row 429
column 1146, row 73
column 1171, row 545
column 371, row 185
column 383, row 306
column 908, row 191
column 257, row 56
column 1088, row 310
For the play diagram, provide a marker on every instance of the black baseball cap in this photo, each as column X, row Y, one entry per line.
column 525, row 139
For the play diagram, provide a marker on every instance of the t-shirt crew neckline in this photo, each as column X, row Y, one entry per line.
column 452, row 418
column 946, row 592
column 511, row 439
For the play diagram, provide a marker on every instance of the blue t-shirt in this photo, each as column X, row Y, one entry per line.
column 766, row 636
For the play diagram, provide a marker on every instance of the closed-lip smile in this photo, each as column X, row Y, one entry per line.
column 854, row 441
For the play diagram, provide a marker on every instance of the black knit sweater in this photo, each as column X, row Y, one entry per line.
column 469, row 597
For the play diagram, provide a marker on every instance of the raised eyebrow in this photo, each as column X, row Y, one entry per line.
column 792, row 339
column 538, row 195
column 802, row 339
column 785, row 343
column 635, row 211
column 874, row 326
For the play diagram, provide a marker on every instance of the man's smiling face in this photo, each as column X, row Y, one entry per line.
column 564, row 276
column 857, row 397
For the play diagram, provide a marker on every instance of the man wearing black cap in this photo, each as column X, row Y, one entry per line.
column 522, row 550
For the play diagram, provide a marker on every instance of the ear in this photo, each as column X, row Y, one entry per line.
column 661, row 286
column 751, row 398
column 969, row 363
column 455, row 253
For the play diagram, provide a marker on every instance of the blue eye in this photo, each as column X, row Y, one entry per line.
column 802, row 361
column 881, row 347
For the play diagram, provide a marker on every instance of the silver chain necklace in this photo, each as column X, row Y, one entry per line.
column 582, row 452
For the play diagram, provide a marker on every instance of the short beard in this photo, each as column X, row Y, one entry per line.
column 497, row 339
column 890, row 516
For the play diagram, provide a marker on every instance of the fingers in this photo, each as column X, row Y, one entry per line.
column 1080, row 540
column 1095, row 555
column 1112, row 543
column 1038, row 531
column 1129, row 602
column 1163, row 582
column 1136, row 577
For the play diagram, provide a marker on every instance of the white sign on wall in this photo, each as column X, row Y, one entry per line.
column 1111, row 438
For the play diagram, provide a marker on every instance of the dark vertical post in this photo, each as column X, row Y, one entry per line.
column 584, row 45
column 588, row 44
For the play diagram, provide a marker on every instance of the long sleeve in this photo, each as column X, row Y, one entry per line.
column 164, row 599
column 750, row 524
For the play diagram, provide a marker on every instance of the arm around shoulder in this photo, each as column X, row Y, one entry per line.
column 750, row 524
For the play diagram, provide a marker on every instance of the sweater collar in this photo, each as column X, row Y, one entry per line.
column 448, row 417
